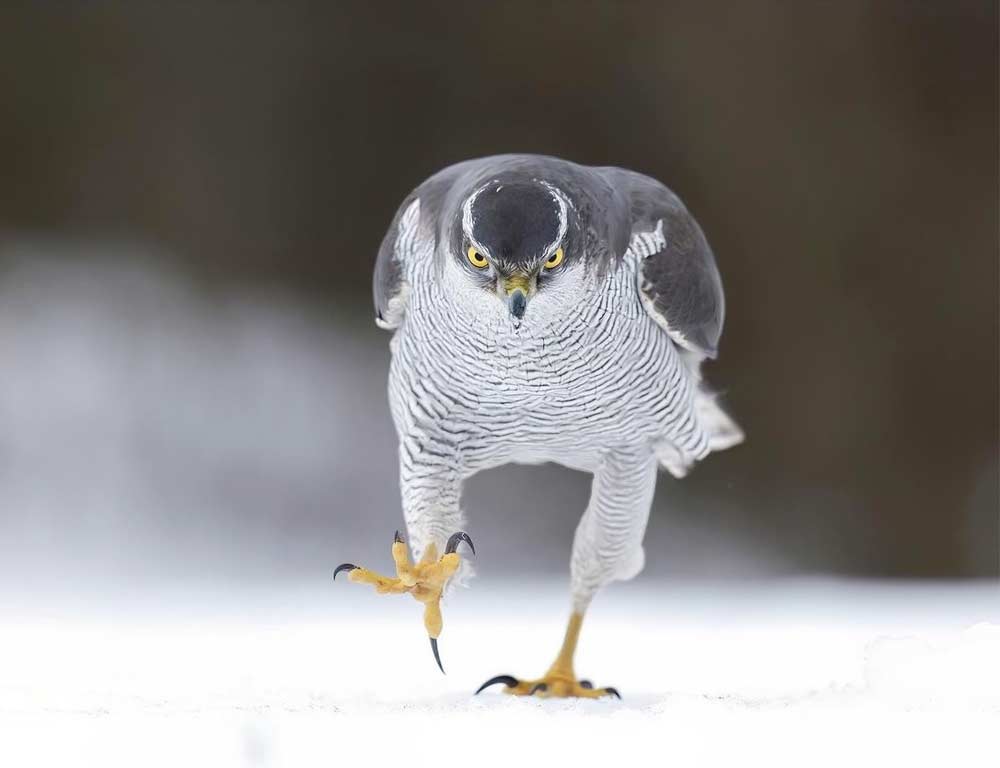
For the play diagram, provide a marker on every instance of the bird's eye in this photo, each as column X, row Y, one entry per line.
column 476, row 259
column 555, row 259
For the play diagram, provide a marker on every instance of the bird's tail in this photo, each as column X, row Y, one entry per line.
column 722, row 433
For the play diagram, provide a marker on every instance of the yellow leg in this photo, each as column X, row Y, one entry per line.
column 425, row 581
column 560, row 681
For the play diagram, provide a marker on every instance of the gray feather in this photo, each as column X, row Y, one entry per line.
column 586, row 378
column 601, row 207
column 388, row 284
column 680, row 282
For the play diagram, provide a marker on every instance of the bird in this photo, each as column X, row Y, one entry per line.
column 544, row 311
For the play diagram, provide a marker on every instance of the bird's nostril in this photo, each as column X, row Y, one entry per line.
column 518, row 302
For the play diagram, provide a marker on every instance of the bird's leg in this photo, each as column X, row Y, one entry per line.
column 560, row 681
column 606, row 527
column 425, row 581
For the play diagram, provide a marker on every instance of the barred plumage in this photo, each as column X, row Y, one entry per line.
column 596, row 376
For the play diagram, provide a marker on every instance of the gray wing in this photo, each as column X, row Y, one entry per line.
column 412, row 234
column 679, row 283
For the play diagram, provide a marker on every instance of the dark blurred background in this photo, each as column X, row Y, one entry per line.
column 191, row 197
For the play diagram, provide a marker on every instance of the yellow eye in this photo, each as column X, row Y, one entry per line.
column 555, row 259
column 477, row 259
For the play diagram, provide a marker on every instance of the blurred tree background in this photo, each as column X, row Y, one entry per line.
column 841, row 157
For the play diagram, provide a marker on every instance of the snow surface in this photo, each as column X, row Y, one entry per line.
column 803, row 673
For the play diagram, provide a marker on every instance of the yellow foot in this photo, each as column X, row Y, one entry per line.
column 559, row 681
column 425, row 580
column 554, row 684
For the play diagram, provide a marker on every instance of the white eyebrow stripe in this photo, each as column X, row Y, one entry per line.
column 467, row 220
column 561, row 201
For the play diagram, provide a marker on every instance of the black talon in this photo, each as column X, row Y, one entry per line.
column 613, row 692
column 437, row 656
column 455, row 538
column 343, row 567
column 586, row 684
column 507, row 680
column 397, row 539
column 539, row 687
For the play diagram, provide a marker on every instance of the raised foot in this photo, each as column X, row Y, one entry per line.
column 425, row 580
column 552, row 685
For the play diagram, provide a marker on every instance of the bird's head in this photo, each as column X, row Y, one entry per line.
column 516, row 240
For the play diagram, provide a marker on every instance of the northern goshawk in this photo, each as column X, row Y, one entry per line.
column 544, row 311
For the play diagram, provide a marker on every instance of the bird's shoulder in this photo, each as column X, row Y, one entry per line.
column 413, row 231
column 679, row 282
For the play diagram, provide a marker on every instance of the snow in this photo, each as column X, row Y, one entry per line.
column 151, row 432
column 769, row 673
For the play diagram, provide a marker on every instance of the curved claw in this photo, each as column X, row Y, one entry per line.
column 507, row 680
column 437, row 656
column 343, row 567
column 397, row 539
column 454, row 540
column 540, row 687
column 586, row 684
column 613, row 692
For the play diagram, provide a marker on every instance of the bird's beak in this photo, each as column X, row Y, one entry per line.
column 518, row 288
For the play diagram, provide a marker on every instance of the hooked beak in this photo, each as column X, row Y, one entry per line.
column 518, row 288
column 517, row 302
